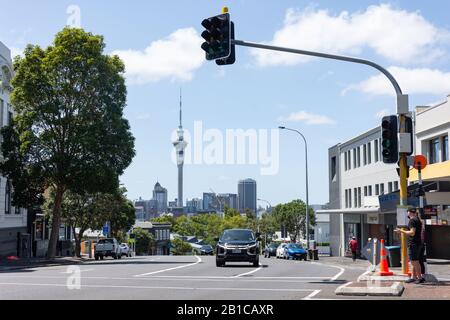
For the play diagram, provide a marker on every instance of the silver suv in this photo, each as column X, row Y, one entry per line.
column 108, row 247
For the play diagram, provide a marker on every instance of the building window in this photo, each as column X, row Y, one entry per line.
column 395, row 185
column 358, row 156
column 434, row 150
column 10, row 116
column 333, row 169
column 369, row 153
column 389, row 187
column 364, row 155
column 345, row 161
column 349, row 198
column 445, row 148
column 17, row 210
column 8, row 197
column 354, row 159
column 2, row 106
column 359, row 197
column 370, row 191
column 375, row 148
column 365, row 191
column 355, row 193
column 377, row 189
column 346, row 198
column 381, row 188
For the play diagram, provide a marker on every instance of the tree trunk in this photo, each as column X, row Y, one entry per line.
column 56, row 223
column 78, row 243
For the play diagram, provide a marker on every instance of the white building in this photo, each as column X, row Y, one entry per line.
column 13, row 221
column 358, row 176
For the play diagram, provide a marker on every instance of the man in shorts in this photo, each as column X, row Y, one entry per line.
column 414, row 245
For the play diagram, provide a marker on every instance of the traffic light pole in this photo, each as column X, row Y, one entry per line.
column 402, row 111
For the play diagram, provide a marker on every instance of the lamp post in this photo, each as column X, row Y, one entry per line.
column 306, row 178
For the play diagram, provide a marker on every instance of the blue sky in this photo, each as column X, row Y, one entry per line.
column 329, row 101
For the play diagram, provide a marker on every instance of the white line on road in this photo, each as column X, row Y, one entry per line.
column 167, row 288
column 169, row 269
column 330, row 265
column 315, row 292
column 250, row 272
column 82, row 270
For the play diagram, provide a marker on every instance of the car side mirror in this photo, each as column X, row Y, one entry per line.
column 216, row 239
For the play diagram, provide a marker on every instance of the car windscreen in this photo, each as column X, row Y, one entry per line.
column 105, row 241
column 273, row 245
column 294, row 246
column 237, row 235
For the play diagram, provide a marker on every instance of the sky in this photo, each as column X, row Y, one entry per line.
column 328, row 101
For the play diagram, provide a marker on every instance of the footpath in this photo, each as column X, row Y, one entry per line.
column 370, row 283
column 17, row 263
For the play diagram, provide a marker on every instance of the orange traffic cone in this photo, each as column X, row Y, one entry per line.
column 384, row 267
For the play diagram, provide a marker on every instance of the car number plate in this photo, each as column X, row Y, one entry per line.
column 236, row 251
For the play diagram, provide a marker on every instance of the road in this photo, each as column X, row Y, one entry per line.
column 178, row 278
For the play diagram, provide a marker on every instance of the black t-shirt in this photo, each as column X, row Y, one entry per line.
column 415, row 223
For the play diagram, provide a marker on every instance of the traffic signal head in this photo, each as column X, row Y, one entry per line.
column 217, row 37
column 389, row 139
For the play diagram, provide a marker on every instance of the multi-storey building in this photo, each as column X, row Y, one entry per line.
column 357, row 176
column 14, row 239
column 247, row 195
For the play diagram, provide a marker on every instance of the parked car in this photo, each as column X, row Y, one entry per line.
column 125, row 250
column 295, row 251
column 207, row 250
column 270, row 250
column 280, row 251
column 108, row 247
column 239, row 245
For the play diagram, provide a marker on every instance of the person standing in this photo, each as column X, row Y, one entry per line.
column 353, row 245
column 414, row 245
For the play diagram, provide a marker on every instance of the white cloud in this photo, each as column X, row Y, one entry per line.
column 308, row 118
column 398, row 35
column 175, row 57
column 382, row 113
column 417, row 81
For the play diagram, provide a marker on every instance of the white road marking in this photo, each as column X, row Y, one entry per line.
column 344, row 285
column 169, row 269
column 315, row 292
column 330, row 265
column 250, row 272
column 81, row 270
column 148, row 287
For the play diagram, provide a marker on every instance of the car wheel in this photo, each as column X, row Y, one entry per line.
column 256, row 263
column 305, row 258
column 119, row 256
column 101, row 257
column 96, row 257
column 218, row 263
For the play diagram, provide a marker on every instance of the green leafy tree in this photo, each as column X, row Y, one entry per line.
column 181, row 247
column 144, row 241
column 68, row 132
column 292, row 215
column 228, row 212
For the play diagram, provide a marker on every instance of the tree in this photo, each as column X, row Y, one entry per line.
column 68, row 132
column 144, row 241
column 267, row 225
column 181, row 247
column 228, row 212
column 292, row 216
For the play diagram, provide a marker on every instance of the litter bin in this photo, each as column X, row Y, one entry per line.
column 316, row 254
column 393, row 256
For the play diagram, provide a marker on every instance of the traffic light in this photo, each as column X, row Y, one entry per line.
column 217, row 37
column 389, row 140
column 232, row 58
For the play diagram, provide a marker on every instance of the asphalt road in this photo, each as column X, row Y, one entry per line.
column 178, row 278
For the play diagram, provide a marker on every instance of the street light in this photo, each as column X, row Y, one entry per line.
column 307, row 196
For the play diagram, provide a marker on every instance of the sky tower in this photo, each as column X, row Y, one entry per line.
column 180, row 145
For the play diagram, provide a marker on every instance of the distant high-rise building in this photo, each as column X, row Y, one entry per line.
column 228, row 200
column 194, row 205
column 247, row 195
column 160, row 195
column 209, row 200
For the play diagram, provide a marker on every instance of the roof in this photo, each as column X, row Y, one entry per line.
column 143, row 225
